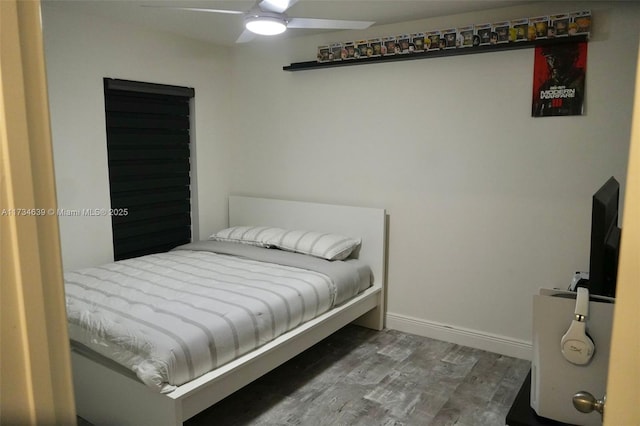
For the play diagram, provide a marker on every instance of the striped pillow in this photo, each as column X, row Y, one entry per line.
column 323, row 245
column 252, row 235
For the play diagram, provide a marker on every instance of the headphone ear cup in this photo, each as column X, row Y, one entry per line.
column 576, row 346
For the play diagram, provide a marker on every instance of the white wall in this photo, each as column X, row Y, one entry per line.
column 80, row 51
column 486, row 204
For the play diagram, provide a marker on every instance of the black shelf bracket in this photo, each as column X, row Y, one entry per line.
column 303, row 66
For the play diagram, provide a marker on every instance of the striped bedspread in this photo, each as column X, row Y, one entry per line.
column 172, row 317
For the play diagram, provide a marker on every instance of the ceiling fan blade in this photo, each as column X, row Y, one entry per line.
column 246, row 36
column 278, row 6
column 196, row 9
column 332, row 24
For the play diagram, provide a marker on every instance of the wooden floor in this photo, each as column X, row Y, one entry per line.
column 362, row 377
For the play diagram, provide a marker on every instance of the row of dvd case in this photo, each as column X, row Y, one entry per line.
column 516, row 30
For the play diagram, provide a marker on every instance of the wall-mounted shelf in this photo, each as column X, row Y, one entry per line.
column 302, row 66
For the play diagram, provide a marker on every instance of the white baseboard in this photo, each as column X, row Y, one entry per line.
column 461, row 336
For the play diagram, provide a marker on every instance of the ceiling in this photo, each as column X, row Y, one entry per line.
column 224, row 29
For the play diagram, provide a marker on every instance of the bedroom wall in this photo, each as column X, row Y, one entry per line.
column 80, row 51
column 486, row 204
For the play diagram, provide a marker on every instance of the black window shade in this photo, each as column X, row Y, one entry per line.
column 149, row 166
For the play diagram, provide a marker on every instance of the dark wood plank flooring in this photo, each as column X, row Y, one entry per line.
column 363, row 377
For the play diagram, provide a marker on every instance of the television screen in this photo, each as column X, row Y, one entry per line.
column 605, row 240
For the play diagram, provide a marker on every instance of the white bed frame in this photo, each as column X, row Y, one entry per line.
column 105, row 396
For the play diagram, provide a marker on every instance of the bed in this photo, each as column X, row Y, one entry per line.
column 109, row 393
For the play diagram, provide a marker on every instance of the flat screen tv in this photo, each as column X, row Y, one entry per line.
column 605, row 240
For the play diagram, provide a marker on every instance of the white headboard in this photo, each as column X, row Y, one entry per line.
column 366, row 223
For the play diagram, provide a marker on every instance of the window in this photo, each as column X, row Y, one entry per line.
column 149, row 166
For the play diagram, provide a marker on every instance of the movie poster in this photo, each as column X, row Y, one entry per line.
column 558, row 79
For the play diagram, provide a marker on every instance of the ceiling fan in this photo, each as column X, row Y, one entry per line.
column 268, row 17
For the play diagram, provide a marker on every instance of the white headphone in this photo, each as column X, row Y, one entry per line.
column 577, row 347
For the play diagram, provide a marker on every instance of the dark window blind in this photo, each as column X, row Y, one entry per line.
column 149, row 166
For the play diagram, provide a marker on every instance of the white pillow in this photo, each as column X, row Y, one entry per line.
column 252, row 235
column 323, row 245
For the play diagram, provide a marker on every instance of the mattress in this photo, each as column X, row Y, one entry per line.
column 171, row 317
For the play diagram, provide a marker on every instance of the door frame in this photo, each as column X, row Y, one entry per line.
column 36, row 367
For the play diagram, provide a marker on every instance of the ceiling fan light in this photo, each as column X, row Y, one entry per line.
column 265, row 25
